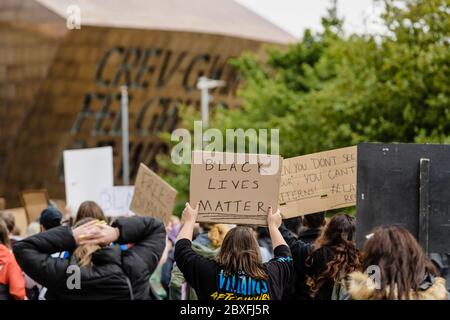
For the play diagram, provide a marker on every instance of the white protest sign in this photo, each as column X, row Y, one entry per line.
column 115, row 201
column 87, row 172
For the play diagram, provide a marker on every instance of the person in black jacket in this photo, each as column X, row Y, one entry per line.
column 335, row 256
column 312, row 227
column 239, row 273
column 293, row 225
column 96, row 269
column 332, row 256
column 306, row 229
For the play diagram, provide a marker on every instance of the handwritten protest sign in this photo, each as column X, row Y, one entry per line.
column 152, row 195
column 116, row 201
column 237, row 191
column 86, row 173
column 318, row 182
column 34, row 202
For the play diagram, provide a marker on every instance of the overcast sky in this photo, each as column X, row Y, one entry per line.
column 296, row 15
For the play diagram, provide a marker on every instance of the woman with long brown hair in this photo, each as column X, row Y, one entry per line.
column 335, row 255
column 329, row 259
column 89, row 209
column 398, row 269
column 239, row 273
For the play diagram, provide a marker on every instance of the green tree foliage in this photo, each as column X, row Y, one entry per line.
column 330, row 90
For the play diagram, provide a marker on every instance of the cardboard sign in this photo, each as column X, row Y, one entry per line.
column 34, row 202
column 318, row 182
column 237, row 191
column 152, row 195
column 115, row 201
column 87, row 172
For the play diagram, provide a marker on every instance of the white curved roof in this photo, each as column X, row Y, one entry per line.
column 225, row 17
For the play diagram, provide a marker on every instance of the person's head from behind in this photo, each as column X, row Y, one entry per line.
column 204, row 227
column 293, row 224
column 50, row 218
column 401, row 261
column 83, row 253
column 240, row 253
column 4, row 233
column 314, row 220
column 217, row 233
column 10, row 221
column 340, row 229
column 90, row 209
column 338, row 236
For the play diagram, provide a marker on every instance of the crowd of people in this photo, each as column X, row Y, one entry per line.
column 93, row 257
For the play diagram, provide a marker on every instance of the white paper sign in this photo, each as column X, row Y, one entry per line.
column 116, row 201
column 87, row 173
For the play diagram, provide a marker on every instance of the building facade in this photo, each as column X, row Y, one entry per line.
column 60, row 86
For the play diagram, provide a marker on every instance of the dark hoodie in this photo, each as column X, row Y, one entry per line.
column 115, row 274
column 300, row 247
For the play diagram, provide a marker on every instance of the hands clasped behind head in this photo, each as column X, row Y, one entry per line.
column 95, row 232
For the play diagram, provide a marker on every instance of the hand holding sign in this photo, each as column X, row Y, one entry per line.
column 190, row 214
column 274, row 218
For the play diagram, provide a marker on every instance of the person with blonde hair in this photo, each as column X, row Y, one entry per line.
column 106, row 271
column 238, row 273
column 217, row 233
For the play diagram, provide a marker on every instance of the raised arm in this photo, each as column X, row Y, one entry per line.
column 287, row 235
column 299, row 249
column 281, row 264
column 273, row 223
column 194, row 267
column 33, row 254
column 147, row 235
column 189, row 216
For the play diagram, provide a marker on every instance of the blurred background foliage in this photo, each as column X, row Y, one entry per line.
column 333, row 90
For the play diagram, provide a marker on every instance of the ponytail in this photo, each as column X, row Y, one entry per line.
column 83, row 254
